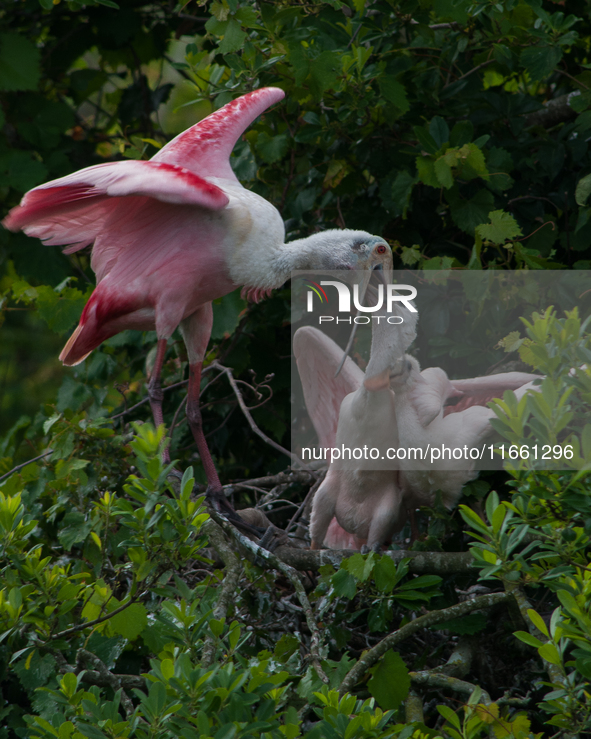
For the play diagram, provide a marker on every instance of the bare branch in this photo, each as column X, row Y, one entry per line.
column 373, row 655
column 24, row 464
column 97, row 621
column 432, row 679
column 250, row 419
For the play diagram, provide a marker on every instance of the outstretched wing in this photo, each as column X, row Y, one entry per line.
column 206, row 146
column 480, row 390
column 73, row 209
column 318, row 357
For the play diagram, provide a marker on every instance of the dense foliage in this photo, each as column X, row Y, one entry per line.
column 458, row 130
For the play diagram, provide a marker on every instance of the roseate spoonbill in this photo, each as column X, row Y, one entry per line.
column 426, row 422
column 172, row 234
column 367, row 503
column 419, row 402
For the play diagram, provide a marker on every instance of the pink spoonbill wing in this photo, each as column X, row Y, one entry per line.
column 206, row 147
column 481, row 390
column 317, row 357
column 73, row 209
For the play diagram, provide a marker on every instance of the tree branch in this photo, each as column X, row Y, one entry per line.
column 24, row 464
column 229, row 585
column 292, row 576
column 83, row 656
column 554, row 672
column 554, row 112
column 97, row 621
column 438, row 680
column 373, row 655
column 438, row 563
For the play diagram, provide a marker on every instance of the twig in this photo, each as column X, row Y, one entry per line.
column 281, row 477
column 250, row 419
column 574, row 79
column 480, row 66
column 531, row 197
column 174, row 418
column 147, row 400
column 293, row 577
column 24, row 464
column 373, row 655
column 97, row 621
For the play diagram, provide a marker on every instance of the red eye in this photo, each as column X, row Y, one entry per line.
column 381, row 249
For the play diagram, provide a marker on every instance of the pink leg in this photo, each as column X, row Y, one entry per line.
column 194, row 418
column 155, row 390
column 196, row 330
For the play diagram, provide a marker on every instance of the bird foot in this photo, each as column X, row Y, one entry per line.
column 217, row 500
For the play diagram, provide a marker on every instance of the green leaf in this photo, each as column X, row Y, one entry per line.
column 467, row 214
column 502, row 227
column 472, row 162
column 18, row 169
column 583, row 190
column 499, row 164
column 426, row 141
column 439, row 130
column 393, row 92
column 360, row 566
column 272, row 148
column 19, row 63
column 344, row 584
column 325, row 71
column 390, row 682
column 60, row 310
column 538, row 622
column 74, row 529
column 550, row 654
column 462, row 133
column 286, row 646
column 540, row 61
column 443, row 173
column 426, row 171
column 385, row 574
column 450, row 716
column 130, row 622
column 526, row 637
column 226, row 314
column 234, row 37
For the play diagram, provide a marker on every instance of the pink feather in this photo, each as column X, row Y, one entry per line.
column 154, row 254
column 206, row 146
